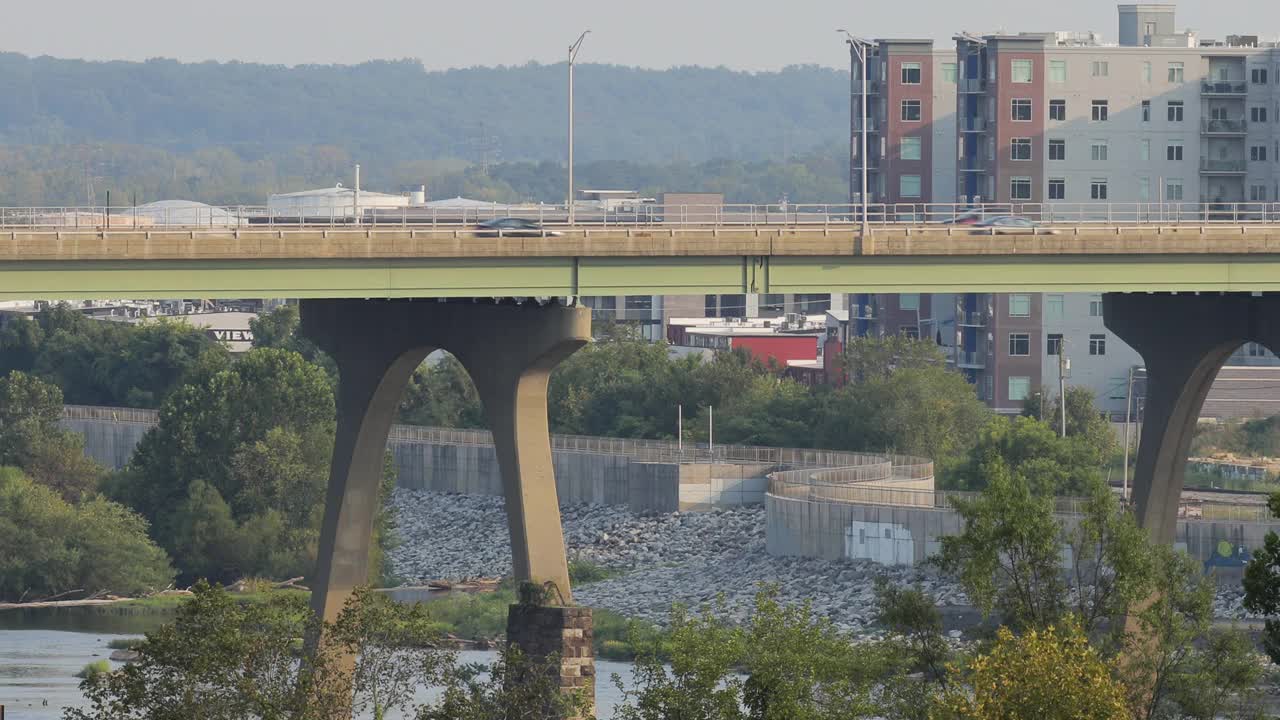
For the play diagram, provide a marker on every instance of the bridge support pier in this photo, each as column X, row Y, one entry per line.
column 509, row 351
column 1183, row 339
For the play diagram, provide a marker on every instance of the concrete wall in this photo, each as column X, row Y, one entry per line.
column 898, row 535
column 581, row 477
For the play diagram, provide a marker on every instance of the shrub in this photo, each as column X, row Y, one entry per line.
column 94, row 669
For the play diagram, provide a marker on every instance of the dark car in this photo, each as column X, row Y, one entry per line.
column 513, row 227
column 1010, row 225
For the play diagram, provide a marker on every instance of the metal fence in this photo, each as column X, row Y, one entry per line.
column 554, row 218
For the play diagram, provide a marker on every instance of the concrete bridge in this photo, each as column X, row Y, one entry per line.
column 1184, row 296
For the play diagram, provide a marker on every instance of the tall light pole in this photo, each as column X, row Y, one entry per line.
column 858, row 49
column 573, row 55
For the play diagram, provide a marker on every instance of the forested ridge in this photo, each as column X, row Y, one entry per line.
column 387, row 114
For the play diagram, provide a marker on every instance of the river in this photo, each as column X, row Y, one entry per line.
column 39, row 657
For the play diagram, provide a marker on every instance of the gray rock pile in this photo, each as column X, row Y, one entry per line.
column 687, row 558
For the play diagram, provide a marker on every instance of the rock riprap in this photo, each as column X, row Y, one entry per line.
column 691, row 558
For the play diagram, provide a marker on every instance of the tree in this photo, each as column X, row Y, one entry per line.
column 1054, row 465
column 1007, row 555
column 1050, row 674
column 221, row 659
column 1262, row 585
column 1084, row 421
column 442, row 395
column 49, row 546
column 32, row 439
column 233, row 475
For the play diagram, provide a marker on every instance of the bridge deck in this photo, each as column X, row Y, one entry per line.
column 403, row 261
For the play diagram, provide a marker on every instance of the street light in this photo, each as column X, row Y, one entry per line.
column 573, row 55
column 858, row 49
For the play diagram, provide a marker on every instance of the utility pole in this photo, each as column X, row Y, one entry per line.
column 1063, row 366
column 858, row 49
column 680, row 428
column 573, row 55
column 711, row 430
column 1128, row 406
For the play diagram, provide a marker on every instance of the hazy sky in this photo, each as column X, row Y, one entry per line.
column 744, row 34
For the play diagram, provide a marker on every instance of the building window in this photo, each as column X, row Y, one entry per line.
column 1019, row 306
column 1057, row 72
column 950, row 72
column 909, row 186
column 1257, row 193
column 1019, row 344
column 1100, row 108
column 1175, row 111
column 1258, row 114
column 1058, row 110
column 1101, row 68
column 911, row 110
column 1144, row 189
column 1173, row 152
column 1098, row 189
column 909, row 301
column 1054, row 306
column 1095, row 307
column 1173, row 190
column 1146, row 111
column 910, row 73
column 1057, row 189
column 1019, row 388
column 1020, row 188
column 1057, row 149
column 1177, row 73
column 1259, row 76
column 1097, row 344
column 1146, row 72
column 1020, row 149
column 1053, row 344
column 1022, row 109
column 1144, row 149
column 1099, row 150
column 1258, row 153
column 909, row 148
column 1020, row 71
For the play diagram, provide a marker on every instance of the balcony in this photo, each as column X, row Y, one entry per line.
column 873, row 87
column 973, row 124
column 971, row 85
column 1223, row 126
column 1222, row 87
column 863, row 312
column 971, row 319
column 975, row 165
column 972, row 360
column 1223, row 167
column 873, row 124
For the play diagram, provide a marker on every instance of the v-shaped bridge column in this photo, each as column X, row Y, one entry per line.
column 1183, row 339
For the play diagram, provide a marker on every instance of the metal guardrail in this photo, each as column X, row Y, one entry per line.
column 1224, row 88
column 1235, row 166
column 1223, row 125
column 553, row 218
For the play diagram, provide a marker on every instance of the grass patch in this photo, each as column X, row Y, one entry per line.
column 130, row 643
column 170, row 603
column 583, row 572
column 94, row 669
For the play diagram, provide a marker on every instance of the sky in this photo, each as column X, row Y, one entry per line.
column 741, row 34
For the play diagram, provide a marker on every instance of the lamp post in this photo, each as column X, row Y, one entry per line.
column 573, row 55
column 858, row 50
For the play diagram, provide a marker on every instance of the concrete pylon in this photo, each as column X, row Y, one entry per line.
column 1184, row 339
column 509, row 351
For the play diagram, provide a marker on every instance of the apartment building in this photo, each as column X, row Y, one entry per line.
column 1059, row 119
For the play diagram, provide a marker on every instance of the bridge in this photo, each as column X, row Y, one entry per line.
column 80, row 254
column 1184, row 289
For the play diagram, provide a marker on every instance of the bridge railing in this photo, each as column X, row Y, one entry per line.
column 553, row 218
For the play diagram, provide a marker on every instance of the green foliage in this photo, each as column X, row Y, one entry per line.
column 91, row 671
column 1029, row 448
column 583, row 572
column 899, row 397
column 129, row 643
column 107, row 363
column 1257, row 437
column 222, row 659
column 1007, row 555
column 48, row 546
column 32, row 439
column 515, row 687
column 796, row 665
column 233, row 476
column 442, row 395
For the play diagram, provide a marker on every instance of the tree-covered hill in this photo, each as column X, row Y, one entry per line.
column 384, row 111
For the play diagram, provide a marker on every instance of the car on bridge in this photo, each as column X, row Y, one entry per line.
column 513, row 227
column 1010, row 225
